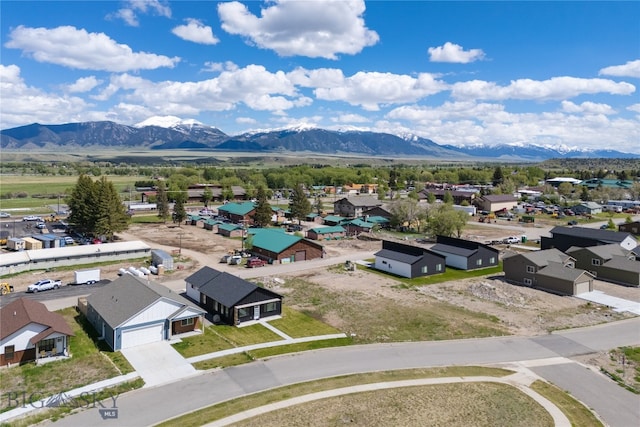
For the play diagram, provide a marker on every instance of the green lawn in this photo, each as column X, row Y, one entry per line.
column 88, row 365
column 448, row 275
column 298, row 325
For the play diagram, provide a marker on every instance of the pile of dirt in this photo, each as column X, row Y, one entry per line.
column 508, row 296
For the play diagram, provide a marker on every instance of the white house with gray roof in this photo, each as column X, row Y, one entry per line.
column 133, row 311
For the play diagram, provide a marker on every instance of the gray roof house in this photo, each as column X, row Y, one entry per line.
column 355, row 206
column 550, row 270
column 230, row 299
column 408, row 261
column 132, row 311
column 608, row 262
column 465, row 254
column 563, row 238
column 590, row 208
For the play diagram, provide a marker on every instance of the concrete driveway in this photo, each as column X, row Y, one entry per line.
column 617, row 304
column 158, row 363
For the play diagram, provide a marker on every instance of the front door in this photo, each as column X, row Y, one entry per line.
column 256, row 312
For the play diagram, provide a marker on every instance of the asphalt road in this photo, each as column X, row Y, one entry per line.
column 619, row 408
column 66, row 293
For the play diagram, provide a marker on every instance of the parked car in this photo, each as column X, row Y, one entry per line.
column 572, row 222
column 69, row 240
column 5, row 215
column 256, row 262
column 41, row 226
column 44, row 285
column 511, row 240
column 604, row 226
column 31, row 218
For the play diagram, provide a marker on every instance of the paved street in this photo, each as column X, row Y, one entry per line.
column 217, row 386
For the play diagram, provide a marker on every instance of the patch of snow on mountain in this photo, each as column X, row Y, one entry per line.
column 167, row 122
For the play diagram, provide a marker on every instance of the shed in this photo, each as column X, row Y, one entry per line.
column 15, row 244
column 160, row 257
column 274, row 245
column 30, row 243
column 327, row 233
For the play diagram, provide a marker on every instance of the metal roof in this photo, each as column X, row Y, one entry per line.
column 237, row 208
column 398, row 256
column 274, row 241
column 454, row 250
column 591, row 233
column 326, row 230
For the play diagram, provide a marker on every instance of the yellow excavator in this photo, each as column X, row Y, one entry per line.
column 5, row 288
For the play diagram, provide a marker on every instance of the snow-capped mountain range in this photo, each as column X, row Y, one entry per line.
column 170, row 132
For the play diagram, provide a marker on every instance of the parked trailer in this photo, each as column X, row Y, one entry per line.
column 87, row 277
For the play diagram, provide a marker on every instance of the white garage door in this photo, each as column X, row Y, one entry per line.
column 582, row 287
column 139, row 336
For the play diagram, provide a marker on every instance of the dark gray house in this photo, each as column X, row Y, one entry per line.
column 631, row 227
column 608, row 262
column 354, row 206
column 563, row 238
column 465, row 254
column 408, row 261
column 550, row 270
column 230, row 299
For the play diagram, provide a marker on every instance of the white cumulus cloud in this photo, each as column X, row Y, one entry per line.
column 451, row 52
column 630, row 69
column 195, row 31
column 587, row 108
column 555, row 88
column 83, row 84
column 129, row 13
column 315, row 28
column 76, row 48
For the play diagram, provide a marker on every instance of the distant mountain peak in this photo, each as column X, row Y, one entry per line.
column 167, row 122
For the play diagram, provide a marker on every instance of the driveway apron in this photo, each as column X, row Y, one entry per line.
column 158, row 363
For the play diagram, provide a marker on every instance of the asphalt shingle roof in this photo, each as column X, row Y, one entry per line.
column 23, row 311
column 129, row 295
column 544, row 257
column 602, row 251
column 556, row 270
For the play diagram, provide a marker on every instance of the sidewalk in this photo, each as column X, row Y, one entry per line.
column 521, row 380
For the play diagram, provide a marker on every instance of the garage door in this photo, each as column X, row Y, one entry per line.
column 301, row 255
column 583, row 287
column 139, row 336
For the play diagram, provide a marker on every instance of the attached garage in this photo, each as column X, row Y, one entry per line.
column 583, row 287
column 564, row 280
column 140, row 336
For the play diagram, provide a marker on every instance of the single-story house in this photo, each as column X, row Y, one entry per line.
column 230, row 299
column 327, row 233
column 333, row 220
column 376, row 220
column 357, row 226
column 465, row 254
column 239, row 213
column 314, row 217
column 496, row 202
column 608, row 262
column 352, row 207
column 132, row 311
column 408, row 261
column 565, row 237
column 439, row 194
column 211, row 224
column 230, row 230
column 193, row 219
column 276, row 246
column 195, row 193
column 590, row 208
column 630, row 227
column 550, row 270
column 31, row 332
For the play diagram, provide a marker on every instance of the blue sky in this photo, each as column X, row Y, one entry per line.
column 462, row 73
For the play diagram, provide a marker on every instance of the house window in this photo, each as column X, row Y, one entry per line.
column 425, row 269
column 186, row 322
column 269, row 307
column 531, row 269
column 438, row 267
column 595, row 261
column 528, row 282
column 492, row 260
column 47, row 345
column 242, row 312
column 9, row 352
column 479, row 262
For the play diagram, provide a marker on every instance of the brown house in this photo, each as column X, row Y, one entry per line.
column 31, row 332
column 278, row 246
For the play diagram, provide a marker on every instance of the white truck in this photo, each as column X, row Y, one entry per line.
column 87, row 277
column 44, row 285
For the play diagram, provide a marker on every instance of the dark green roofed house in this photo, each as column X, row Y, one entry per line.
column 132, row 311
column 276, row 246
column 230, row 230
column 230, row 299
column 327, row 233
column 357, row 226
column 239, row 213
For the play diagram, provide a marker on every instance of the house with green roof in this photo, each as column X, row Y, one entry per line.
column 212, row 224
column 357, row 226
column 327, row 233
column 333, row 219
column 277, row 247
column 240, row 213
column 230, row 230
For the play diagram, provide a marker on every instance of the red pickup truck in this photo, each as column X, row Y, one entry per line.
column 256, row 262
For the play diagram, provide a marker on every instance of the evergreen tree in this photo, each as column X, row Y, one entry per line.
column 162, row 201
column 82, row 202
column 179, row 212
column 447, row 198
column 299, row 206
column 584, row 194
column 498, row 176
column 431, row 198
column 110, row 214
column 263, row 214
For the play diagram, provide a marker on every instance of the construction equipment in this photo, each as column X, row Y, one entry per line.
column 5, row 288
